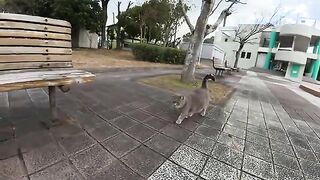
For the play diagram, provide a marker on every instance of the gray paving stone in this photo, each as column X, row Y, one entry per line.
column 124, row 122
column 257, row 130
column 257, row 139
column 61, row 170
column 41, row 157
column 258, row 151
column 315, row 147
column 281, row 147
column 120, row 145
column 217, row 170
column 143, row 160
column 176, row 133
column 34, row 140
column 313, row 140
column 189, row 125
column 126, row 108
column 66, row 130
column 285, row 161
column 284, row 173
column 256, row 120
column 141, row 132
column 139, row 115
column 275, row 126
column 200, row 143
column 301, row 143
column 8, row 149
column 310, row 169
column 189, row 158
column 156, row 123
column 240, row 133
column 231, row 141
column 305, row 154
column 213, row 123
column 246, row 176
column 104, row 132
column 163, row 144
column 296, row 134
column 110, row 114
column 208, row 132
column 11, row 168
column 258, row 167
column 76, row 143
column 237, row 124
column 278, row 136
column 92, row 161
column 116, row 171
column 170, row 171
column 228, row 155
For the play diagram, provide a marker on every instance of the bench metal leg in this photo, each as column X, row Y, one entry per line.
column 52, row 101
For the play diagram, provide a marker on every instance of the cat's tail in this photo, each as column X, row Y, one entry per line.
column 205, row 80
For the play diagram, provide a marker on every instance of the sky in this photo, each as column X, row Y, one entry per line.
column 292, row 10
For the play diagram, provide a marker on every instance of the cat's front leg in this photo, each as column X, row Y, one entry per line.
column 180, row 118
column 203, row 113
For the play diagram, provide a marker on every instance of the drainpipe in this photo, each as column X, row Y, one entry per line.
column 272, row 44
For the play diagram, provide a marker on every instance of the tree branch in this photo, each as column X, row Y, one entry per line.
column 128, row 7
column 214, row 9
column 226, row 12
column 191, row 27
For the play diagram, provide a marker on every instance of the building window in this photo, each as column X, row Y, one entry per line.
column 226, row 40
column 243, row 54
column 248, row 55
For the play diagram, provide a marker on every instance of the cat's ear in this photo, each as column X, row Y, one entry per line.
column 181, row 97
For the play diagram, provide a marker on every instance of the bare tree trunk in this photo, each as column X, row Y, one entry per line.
column 195, row 42
column 118, row 27
column 104, row 21
column 238, row 55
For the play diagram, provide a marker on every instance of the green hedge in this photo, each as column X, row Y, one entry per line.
column 153, row 53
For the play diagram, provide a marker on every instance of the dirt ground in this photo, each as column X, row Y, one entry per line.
column 103, row 59
column 218, row 91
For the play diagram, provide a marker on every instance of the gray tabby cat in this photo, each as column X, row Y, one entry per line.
column 195, row 102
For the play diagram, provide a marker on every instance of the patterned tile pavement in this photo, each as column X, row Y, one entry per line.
column 112, row 132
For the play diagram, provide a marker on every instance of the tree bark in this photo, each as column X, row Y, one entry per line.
column 118, row 27
column 238, row 55
column 196, row 41
column 104, row 22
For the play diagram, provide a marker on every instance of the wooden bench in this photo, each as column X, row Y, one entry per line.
column 35, row 52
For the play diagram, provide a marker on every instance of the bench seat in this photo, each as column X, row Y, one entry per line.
column 16, row 80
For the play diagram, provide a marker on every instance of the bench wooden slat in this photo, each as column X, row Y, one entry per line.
column 34, row 65
column 34, row 50
column 34, row 27
column 16, row 80
column 33, row 42
column 33, row 19
column 34, row 34
column 34, row 58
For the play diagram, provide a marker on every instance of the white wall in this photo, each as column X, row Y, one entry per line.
column 230, row 47
column 87, row 39
column 261, row 59
column 208, row 50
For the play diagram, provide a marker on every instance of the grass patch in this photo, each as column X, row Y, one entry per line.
column 218, row 91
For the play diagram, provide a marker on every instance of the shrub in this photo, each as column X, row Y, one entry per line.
column 153, row 53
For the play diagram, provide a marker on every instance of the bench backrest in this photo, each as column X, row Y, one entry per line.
column 32, row 42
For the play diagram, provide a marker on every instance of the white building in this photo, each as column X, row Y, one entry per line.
column 208, row 51
column 293, row 48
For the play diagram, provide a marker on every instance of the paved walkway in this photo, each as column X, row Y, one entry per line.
column 119, row 129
